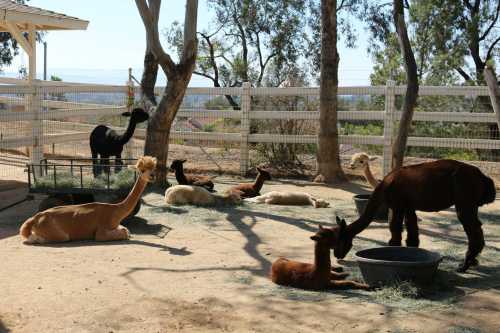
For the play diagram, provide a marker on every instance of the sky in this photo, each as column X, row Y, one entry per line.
column 115, row 41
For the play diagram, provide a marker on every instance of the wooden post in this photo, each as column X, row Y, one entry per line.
column 245, row 126
column 34, row 100
column 493, row 90
column 390, row 107
column 130, row 104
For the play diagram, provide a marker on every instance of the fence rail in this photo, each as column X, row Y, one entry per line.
column 39, row 110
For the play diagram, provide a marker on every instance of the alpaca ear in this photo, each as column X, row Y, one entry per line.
column 259, row 169
column 183, row 161
column 315, row 238
column 320, row 227
column 373, row 158
column 126, row 114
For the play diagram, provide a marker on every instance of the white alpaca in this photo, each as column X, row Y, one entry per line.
column 289, row 198
column 362, row 160
column 199, row 196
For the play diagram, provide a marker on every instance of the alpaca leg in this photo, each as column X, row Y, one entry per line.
column 472, row 226
column 412, row 238
column 95, row 163
column 105, row 164
column 348, row 284
column 337, row 269
column 118, row 163
column 338, row 276
column 48, row 232
column 396, row 227
column 119, row 233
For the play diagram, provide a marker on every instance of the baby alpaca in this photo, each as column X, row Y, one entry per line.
column 290, row 198
column 250, row 190
column 317, row 276
column 362, row 161
column 92, row 221
column 199, row 196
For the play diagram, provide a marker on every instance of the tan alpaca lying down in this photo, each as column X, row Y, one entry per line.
column 92, row 221
column 199, row 196
column 289, row 198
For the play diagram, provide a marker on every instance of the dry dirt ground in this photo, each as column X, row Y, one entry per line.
column 190, row 269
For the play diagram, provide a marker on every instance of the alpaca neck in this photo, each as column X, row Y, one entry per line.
column 369, row 177
column 376, row 199
column 259, row 181
column 322, row 257
column 128, row 204
column 179, row 175
column 125, row 137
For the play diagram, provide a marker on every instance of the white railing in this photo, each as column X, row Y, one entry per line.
column 63, row 109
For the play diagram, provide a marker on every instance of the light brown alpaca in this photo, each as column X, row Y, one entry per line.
column 92, row 221
column 362, row 160
column 317, row 276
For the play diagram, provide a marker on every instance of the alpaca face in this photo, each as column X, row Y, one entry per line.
column 146, row 166
column 341, row 242
column 324, row 235
column 264, row 174
column 137, row 115
column 359, row 160
column 320, row 203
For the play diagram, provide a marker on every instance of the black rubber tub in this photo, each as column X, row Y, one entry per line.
column 389, row 264
column 361, row 200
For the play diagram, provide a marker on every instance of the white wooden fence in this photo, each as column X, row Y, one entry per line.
column 34, row 102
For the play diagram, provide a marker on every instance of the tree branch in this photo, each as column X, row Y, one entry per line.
column 150, row 24
column 190, row 23
column 204, row 75
column 495, row 19
column 490, row 50
column 463, row 74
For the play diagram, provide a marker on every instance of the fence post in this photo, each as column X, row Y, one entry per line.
column 390, row 108
column 33, row 107
column 130, row 103
column 245, row 126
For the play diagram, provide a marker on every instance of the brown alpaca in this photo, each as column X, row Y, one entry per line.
column 429, row 187
column 251, row 190
column 317, row 276
column 177, row 167
column 92, row 221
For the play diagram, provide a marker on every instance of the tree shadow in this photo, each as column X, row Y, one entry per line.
column 172, row 250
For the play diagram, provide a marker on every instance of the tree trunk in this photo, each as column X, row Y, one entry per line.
column 329, row 168
column 411, row 94
column 159, row 125
column 149, row 76
column 494, row 91
column 178, row 77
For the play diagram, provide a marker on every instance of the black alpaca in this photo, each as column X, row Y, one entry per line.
column 106, row 142
column 183, row 179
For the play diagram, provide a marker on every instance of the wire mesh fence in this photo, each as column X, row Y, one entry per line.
column 231, row 130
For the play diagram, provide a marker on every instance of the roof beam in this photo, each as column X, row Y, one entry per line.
column 45, row 20
column 17, row 34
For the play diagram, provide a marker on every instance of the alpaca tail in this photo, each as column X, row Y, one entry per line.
column 489, row 191
column 25, row 230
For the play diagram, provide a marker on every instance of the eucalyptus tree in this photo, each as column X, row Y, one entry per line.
column 178, row 77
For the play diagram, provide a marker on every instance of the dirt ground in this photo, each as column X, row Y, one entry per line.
column 189, row 269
